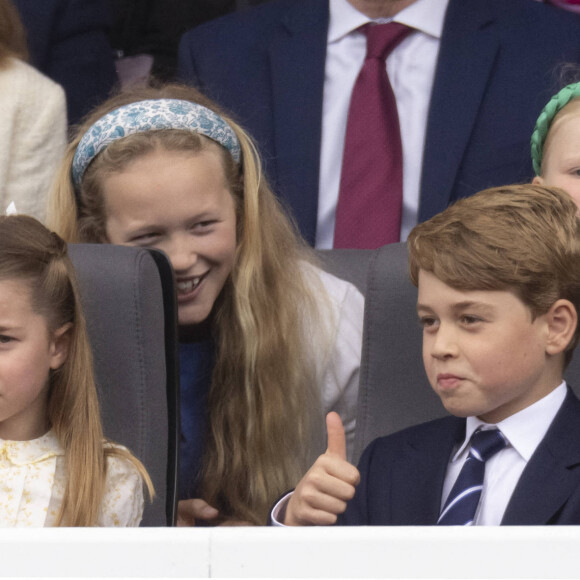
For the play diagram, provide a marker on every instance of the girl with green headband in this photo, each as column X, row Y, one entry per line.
column 556, row 142
column 269, row 342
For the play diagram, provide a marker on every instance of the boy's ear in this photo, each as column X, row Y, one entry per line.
column 538, row 180
column 60, row 345
column 562, row 319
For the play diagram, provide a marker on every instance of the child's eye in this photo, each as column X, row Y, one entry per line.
column 143, row 239
column 468, row 319
column 427, row 321
column 4, row 339
column 204, row 226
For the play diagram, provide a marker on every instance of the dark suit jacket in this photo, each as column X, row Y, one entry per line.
column 494, row 75
column 68, row 42
column 402, row 475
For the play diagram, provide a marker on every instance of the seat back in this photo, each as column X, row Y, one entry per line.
column 394, row 392
column 129, row 302
column 351, row 265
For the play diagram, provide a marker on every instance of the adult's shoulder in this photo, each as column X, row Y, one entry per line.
column 532, row 13
column 263, row 16
column 258, row 26
column 516, row 17
column 52, row 21
column 25, row 78
column 33, row 111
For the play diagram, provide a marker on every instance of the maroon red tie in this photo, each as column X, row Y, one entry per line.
column 370, row 200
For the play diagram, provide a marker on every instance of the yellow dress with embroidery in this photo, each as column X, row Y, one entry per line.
column 32, row 483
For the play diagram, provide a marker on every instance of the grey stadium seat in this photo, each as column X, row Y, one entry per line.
column 129, row 302
column 394, row 392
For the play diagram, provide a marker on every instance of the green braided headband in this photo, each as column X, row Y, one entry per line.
column 555, row 104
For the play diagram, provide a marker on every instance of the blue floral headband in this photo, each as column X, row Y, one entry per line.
column 151, row 115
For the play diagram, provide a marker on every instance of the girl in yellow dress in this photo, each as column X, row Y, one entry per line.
column 56, row 469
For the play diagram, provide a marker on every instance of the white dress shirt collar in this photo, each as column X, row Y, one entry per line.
column 424, row 15
column 525, row 429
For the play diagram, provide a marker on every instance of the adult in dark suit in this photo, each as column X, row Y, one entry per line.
column 493, row 74
column 548, row 492
column 68, row 42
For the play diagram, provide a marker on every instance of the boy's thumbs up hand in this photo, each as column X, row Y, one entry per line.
column 323, row 492
column 336, row 438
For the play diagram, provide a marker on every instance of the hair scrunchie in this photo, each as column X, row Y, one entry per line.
column 58, row 246
column 554, row 106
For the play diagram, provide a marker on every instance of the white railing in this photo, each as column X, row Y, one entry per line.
column 515, row 552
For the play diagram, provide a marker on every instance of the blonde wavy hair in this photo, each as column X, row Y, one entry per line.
column 12, row 34
column 264, row 401
column 31, row 253
column 523, row 238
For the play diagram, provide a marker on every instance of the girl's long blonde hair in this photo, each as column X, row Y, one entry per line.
column 264, row 401
column 30, row 252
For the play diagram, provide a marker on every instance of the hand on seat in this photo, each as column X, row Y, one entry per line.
column 191, row 510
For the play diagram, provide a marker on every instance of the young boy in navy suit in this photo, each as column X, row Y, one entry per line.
column 498, row 278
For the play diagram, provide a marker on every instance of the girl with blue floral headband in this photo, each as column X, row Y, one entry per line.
column 556, row 142
column 269, row 342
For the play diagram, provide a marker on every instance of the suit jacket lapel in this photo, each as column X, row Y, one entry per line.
column 421, row 474
column 552, row 473
column 466, row 56
column 297, row 68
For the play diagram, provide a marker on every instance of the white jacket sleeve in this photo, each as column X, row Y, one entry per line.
column 33, row 126
column 340, row 377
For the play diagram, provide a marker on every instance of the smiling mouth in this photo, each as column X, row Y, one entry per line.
column 187, row 286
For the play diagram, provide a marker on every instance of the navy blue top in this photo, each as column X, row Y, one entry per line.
column 196, row 361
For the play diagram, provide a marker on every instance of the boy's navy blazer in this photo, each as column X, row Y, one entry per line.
column 402, row 475
column 494, row 74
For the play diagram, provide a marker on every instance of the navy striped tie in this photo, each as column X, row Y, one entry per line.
column 460, row 507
